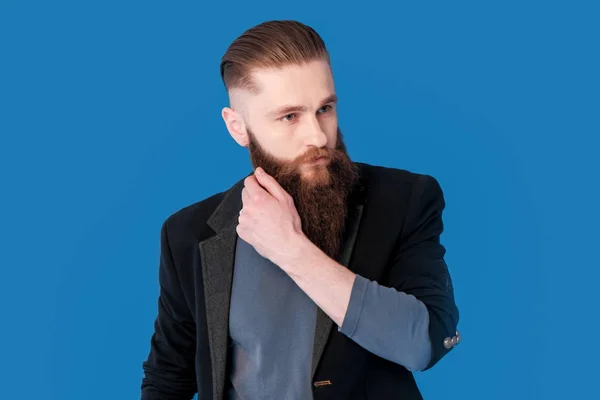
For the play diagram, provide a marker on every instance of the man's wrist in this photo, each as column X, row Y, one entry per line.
column 302, row 250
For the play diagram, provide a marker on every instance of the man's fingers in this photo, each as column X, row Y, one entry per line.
column 270, row 184
column 255, row 195
column 252, row 185
column 245, row 197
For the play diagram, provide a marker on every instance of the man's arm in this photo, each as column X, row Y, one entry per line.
column 419, row 268
column 408, row 321
column 389, row 323
column 169, row 369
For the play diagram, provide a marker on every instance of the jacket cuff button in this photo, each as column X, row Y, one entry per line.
column 448, row 343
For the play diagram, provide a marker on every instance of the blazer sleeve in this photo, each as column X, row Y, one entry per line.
column 169, row 370
column 419, row 268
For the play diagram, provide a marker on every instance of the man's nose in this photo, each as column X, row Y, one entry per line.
column 315, row 135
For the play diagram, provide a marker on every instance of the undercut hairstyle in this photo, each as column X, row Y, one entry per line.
column 271, row 44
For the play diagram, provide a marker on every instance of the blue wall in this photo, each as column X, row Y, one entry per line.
column 110, row 122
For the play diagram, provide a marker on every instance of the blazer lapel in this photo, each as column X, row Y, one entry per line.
column 217, row 256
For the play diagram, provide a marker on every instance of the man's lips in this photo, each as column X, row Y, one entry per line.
column 319, row 160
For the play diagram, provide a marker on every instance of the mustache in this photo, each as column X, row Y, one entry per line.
column 313, row 154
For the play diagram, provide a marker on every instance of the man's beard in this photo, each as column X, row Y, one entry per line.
column 321, row 196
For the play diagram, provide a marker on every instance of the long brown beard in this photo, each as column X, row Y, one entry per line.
column 321, row 199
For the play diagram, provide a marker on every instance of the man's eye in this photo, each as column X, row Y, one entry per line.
column 324, row 109
column 288, row 117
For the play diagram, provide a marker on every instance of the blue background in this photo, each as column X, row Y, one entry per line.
column 110, row 121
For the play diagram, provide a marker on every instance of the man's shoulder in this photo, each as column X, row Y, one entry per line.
column 391, row 190
column 395, row 194
column 198, row 211
column 382, row 177
column 191, row 220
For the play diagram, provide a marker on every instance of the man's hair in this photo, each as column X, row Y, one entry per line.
column 271, row 44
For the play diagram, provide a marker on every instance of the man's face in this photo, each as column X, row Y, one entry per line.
column 291, row 130
column 294, row 115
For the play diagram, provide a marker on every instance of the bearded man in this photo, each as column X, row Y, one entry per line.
column 315, row 276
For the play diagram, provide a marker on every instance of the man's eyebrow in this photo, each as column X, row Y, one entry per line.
column 289, row 109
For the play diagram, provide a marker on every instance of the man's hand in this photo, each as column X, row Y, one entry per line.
column 270, row 223
column 269, row 220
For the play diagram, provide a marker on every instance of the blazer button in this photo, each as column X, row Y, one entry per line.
column 448, row 343
column 454, row 341
column 457, row 337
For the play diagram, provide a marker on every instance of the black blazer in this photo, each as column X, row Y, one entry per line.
column 392, row 237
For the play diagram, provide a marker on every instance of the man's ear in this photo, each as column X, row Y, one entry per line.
column 235, row 125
